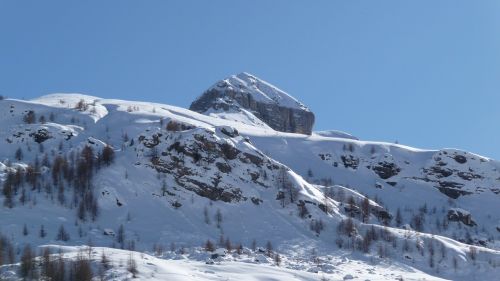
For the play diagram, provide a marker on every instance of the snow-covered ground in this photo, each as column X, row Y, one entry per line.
column 193, row 265
column 202, row 179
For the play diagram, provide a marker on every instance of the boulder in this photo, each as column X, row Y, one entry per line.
column 386, row 169
column 460, row 215
column 260, row 258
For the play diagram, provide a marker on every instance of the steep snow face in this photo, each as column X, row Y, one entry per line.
column 237, row 114
column 255, row 101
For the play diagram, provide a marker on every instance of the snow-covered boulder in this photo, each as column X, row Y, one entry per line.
column 461, row 215
column 109, row 232
column 260, row 258
column 219, row 252
column 348, row 277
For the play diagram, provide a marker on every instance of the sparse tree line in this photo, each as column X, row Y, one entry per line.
column 423, row 219
column 287, row 193
column 30, row 117
column 231, row 247
column 63, row 235
column 358, row 208
column 69, row 181
column 58, row 266
column 65, row 179
column 225, row 243
column 382, row 242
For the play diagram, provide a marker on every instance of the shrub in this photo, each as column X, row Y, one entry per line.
column 81, row 105
column 29, row 117
column 132, row 266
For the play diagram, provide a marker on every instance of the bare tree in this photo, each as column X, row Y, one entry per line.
column 277, row 259
column 62, row 235
column 27, row 267
column 19, row 154
column 431, row 254
column 132, row 266
column 105, row 262
column 205, row 214
column 269, row 248
column 108, row 155
column 228, row 245
column 472, row 253
column 25, row 230
column 303, row 212
column 365, row 209
column 120, row 236
column 47, row 266
column 209, row 246
column 218, row 218
column 399, row 217
column 81, row 268
column 29, row 117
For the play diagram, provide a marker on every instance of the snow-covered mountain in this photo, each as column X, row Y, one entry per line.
column 287, row 202
column 250, row 100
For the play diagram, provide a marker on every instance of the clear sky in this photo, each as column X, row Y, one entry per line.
column 425, row 73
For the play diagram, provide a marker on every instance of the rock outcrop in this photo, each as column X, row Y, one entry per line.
column 457, row 173
column 249, row 95
column 212, row 164
column 460, row 215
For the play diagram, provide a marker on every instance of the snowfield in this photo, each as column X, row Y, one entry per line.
column 156, row 182
column 192, row 266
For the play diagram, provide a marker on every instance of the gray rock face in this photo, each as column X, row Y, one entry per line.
column 456, row 214
column 210, row 164
column 266, row 102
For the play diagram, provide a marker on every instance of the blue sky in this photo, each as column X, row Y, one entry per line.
column 425, row 73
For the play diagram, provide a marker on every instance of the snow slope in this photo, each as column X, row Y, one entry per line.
column 260, row 90
column 192, row 266
column 175, row 171
column 335, row 134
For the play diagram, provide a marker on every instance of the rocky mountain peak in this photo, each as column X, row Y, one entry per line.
column 249, row 95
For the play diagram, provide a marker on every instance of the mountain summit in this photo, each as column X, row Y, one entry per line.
column 248, row 99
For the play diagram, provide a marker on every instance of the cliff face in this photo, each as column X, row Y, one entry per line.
column 245, row 92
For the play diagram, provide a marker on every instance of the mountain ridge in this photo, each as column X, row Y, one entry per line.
column 181, row 177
